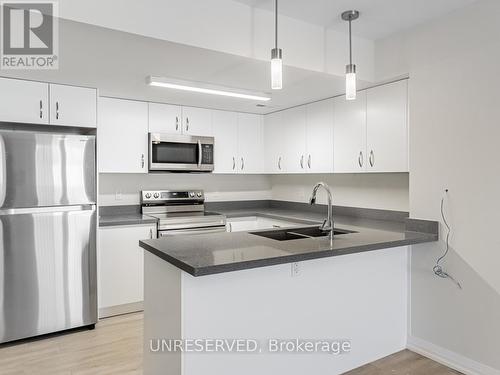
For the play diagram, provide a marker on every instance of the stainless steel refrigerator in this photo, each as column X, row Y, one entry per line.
column 47, row 233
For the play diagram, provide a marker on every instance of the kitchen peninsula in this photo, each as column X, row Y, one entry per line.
column 263, row 286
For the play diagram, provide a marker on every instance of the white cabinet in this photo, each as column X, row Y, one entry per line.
column 273, row 143
column 225, row 131
column 197, row 121
column 165, row 118
column 120, row 268
column 319, row 137
column 250, row 144
column 73, row 106
column 349, row 134
column 24, row 101
column 387, row 128
column 248, row 223
column 294, row 139
column 122, row 136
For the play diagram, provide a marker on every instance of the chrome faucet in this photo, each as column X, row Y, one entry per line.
column 327, row 225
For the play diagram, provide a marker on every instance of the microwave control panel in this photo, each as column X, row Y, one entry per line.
column 207, row 154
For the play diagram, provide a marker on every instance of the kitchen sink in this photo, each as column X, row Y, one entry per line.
column 298, row 233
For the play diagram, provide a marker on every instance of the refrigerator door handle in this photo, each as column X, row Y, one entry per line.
column 43, row 210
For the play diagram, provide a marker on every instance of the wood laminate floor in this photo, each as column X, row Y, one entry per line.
column 115, row 347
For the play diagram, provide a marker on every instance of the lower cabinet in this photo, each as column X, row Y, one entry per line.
column 120, row 268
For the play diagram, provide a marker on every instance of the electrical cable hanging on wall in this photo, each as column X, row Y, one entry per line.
column 438, row 269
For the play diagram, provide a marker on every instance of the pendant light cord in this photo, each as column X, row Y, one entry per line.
column 438, row 269
column 276, row 23
column 350, row 43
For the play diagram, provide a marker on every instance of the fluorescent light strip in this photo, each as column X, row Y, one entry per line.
column 213, row 90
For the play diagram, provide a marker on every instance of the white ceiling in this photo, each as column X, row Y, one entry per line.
column 379, row 18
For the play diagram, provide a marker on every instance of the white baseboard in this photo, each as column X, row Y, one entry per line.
column 449, row 358
column 106, row 312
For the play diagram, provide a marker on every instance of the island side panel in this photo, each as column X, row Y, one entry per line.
column 162, row 315
column 361, row 297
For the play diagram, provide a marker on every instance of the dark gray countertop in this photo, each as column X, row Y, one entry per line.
column 123, row 215
column 201, row 255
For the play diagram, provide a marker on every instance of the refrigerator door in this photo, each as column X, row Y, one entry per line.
column 46, row 169
column 47, row 270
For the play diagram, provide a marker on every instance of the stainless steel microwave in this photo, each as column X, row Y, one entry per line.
column 180, row 153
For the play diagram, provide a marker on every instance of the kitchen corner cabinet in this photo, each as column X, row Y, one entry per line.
column 24, row 101
column 387, row 128
column 73, row 106
column 238, row 142
column 197, row 121
column 120, row 268
column 122, row 136
column 165, row 118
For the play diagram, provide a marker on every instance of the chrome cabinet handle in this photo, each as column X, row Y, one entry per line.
column 302, row 162
column 57, row 110
column 142, row 160
column 176, row 123
column 187, row 123
column 279, row 163
column 309, row 161
column 372, row 158
column 41, row 109
column 242, row 164
column 230, row 227
column 234, row 163
column 360, row 159
column 151, row 233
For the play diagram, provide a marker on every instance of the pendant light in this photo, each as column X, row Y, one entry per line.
column 350, row 70
column 276, row 56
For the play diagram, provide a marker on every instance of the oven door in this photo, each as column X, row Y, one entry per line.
column 179, row 232
column 180, row 153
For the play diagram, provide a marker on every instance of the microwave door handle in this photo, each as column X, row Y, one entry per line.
column 199, row 154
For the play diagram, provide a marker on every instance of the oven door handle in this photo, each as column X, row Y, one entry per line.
column 178, row 232
column 199, row 154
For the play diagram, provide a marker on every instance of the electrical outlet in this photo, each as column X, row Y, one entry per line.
column 118, row 196
column 295, row 269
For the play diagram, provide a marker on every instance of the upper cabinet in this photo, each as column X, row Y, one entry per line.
column 24, row 101
column 197, row 121
column 73, row 106
column 371, row 132
column 30, row 102
column 122, row 136
column 349, row 134
column 387, row 128
column 293, row 138
column 238, row 142
column 319, row 137
column 165, row 118
column 274, row 146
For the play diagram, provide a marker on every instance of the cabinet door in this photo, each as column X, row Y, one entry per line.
column 24, row 101
column 120, row 276
column 349, row 134
column 225, row 131
column 250, row 144
column 273, row 143
column 320, row 137
column 294, row 140
column 197, row 121
column 165, row 118
column 387, row 128
column 122, row 136
column 73, row 106
column 242, row 224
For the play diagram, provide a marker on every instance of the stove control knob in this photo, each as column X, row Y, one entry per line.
column 147, row 195
column 199, row 194
column 191, row 194
column 156, row 195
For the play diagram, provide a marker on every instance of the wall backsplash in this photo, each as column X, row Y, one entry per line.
column 384, row 191
column 369, row 190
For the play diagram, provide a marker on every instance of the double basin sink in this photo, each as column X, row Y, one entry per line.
column 298, row 233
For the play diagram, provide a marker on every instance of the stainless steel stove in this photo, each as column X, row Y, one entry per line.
column 181, row 212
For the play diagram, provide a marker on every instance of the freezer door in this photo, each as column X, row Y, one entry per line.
column 47, row 270
column 46, row 169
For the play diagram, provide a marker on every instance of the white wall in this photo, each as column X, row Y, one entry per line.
column 453, row 65
column 217, row 187
column 371, row 190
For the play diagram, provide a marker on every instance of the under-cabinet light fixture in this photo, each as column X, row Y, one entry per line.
column 205, row 88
